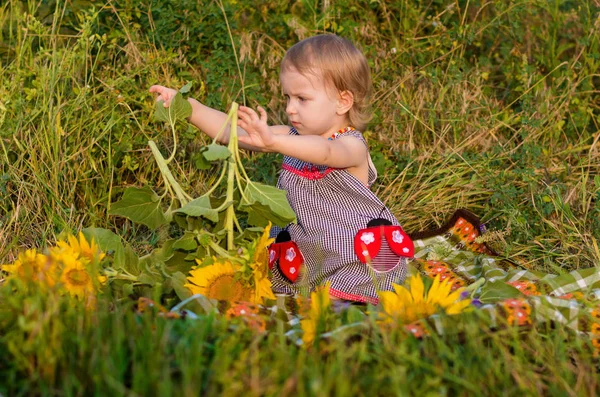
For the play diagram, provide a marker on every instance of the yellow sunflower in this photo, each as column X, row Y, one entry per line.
column 320, row 302
column 80, row 260
column 262, row 288
column 409, row 306
column 82, row 247
column 260, row 268
column 75, row 277
column 32, row 266
column 260, row 258
column 218, row 281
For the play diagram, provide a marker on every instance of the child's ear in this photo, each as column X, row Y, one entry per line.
column 345, row 102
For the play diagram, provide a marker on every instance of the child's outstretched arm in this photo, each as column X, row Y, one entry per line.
column 345, row 152
column 210, row 120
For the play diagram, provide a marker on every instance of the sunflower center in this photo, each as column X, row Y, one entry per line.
column 77, row 277
column 226, row 287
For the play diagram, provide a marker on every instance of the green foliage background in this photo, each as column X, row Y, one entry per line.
column 492, row 106
column 489, row 106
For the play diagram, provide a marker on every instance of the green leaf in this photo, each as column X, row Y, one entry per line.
column 165, row 252
column 187, row 242
column 128, row 289
column 148, row 278
column 200, row 207
column 178, row 263
column 141, row 206
column 200, row 162
column 204, row 238
column 152, row 269
column 214, row 152
column 178, row 280
column 265, row 203
column 108, row 242
column 131, row 263
column 186, row 88
column 179, row 109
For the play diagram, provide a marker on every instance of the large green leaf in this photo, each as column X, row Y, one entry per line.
column 141, row 206
column 214, row 152
column 265, row 203
column 179, row 109
column 200, row 207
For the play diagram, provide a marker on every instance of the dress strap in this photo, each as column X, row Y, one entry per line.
column 357, row 134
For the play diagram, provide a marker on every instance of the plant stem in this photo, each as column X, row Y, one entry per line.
column 232, row 168
column 183, row 197
column 218, row 182
column 215, row 139
column 222, row 252
column 172, row 156
column 238, row 160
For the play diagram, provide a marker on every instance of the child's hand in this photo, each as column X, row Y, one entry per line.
column 259, row 134
column 165, row 94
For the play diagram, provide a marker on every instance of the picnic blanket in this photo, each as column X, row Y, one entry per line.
column 504, row 287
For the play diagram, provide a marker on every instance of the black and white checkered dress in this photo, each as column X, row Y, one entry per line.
column 331, row 206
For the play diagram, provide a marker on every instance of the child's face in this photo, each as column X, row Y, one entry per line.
column 311, row 108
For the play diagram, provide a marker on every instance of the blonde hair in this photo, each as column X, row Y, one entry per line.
column 342, row 66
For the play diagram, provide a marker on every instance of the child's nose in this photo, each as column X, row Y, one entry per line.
column 289, row 109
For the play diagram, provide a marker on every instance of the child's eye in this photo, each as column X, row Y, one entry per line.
column 301, row 99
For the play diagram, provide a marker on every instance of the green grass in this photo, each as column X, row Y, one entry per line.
column 492, row 106
column 113, row 351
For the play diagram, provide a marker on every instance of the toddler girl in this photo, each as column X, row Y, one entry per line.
column 326, row 173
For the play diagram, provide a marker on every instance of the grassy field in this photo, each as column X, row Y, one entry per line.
column 489, row 106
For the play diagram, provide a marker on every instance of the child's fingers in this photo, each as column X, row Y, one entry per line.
column 162, row 91
column 163, row 94
column 246, row 126
column 263, row 114
column 243, row 118
column 250, row 112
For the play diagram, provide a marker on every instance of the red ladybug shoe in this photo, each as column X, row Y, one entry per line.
column 369, row 241
column 286, row 255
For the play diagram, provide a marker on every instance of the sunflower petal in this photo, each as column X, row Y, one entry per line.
column 458, row 307
column 74, row 243
column 262, row 289
column 451, row 298
column 390, row 303
column 417, row 288
column 404, row 295
column 434, row 289
column 309, row 328
column 444, row 290
column 83, row 243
